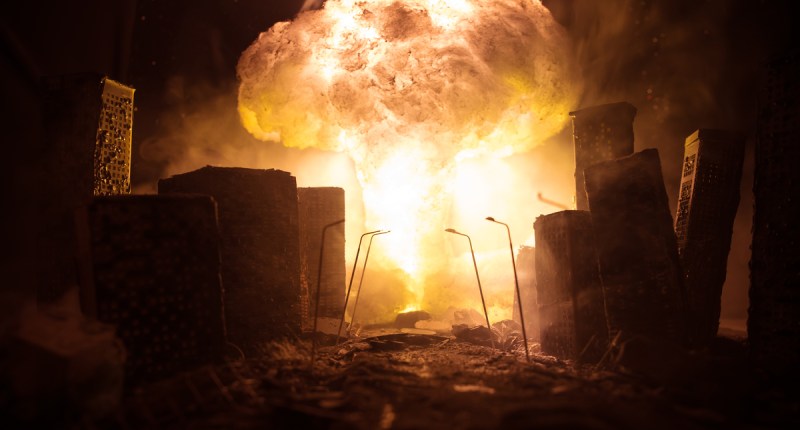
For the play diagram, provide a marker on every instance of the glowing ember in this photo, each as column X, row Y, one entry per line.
column 410, row 89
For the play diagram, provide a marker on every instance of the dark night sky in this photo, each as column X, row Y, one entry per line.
column 699, row 59
column 143, row 43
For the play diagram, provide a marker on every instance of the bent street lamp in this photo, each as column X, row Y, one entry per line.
column 516, row 284
column 480, row 289
column 350, row 284
column 364, row 269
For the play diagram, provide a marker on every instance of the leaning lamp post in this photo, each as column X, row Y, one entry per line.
column 361, row 281
column 516, row 285
column 350, row 285
column 480, row 289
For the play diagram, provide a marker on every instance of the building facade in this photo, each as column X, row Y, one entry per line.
column 260, row 249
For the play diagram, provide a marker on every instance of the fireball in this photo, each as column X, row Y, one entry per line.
column 410, row 90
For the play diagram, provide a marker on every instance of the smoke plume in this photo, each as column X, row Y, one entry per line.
column 416, row 92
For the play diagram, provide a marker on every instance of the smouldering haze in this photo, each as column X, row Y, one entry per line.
column 411, row 90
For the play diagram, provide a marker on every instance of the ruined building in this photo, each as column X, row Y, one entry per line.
column 258, row 223
column 709, row 197
column 637, row 248
column 318, row 207
column 150, row 266
column 571, row 314
column 600, row 133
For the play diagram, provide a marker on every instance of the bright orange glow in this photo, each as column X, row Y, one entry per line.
column 427, row 97
column 409, row 308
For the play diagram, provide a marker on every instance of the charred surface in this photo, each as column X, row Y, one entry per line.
column 422, row 381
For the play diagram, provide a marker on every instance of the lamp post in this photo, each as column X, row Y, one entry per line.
column 516, row 285
column 319, row 280
column 480, row 289
column 350, row 284
column 364, row 269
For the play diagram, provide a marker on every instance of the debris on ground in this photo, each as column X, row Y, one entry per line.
column 408, row 380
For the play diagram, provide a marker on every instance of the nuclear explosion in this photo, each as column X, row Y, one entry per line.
column 379, row 214
column 409, row 90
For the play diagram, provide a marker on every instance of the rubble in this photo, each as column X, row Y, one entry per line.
column 434, row 325
column 478, row 335
column 462, row 316
column 432, row 382
column 410, row 319
column 402, row 341
column 508, row 334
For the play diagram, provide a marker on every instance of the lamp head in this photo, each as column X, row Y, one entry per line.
column 450, row 230
column 488, row 218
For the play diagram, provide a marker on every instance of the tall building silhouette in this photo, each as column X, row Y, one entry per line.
column 772, row 326
column 88, row 128
column 709, row 197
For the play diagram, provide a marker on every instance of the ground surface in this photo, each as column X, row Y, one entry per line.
column 415, row 381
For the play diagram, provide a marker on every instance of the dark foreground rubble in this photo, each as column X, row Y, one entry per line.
column 406, row 380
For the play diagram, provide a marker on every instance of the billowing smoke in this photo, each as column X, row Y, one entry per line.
column 311, row 4
column 417, row 93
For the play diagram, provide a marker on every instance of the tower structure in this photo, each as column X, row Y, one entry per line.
column 709, row 197
column 88, row 128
